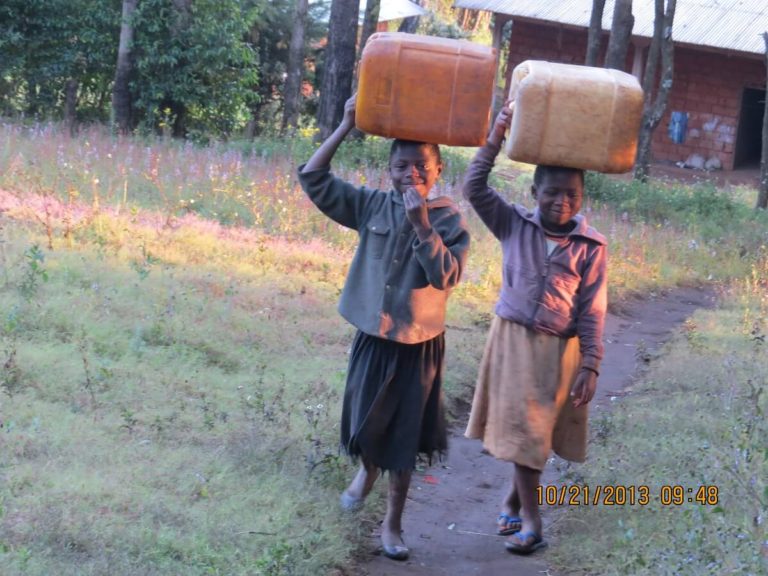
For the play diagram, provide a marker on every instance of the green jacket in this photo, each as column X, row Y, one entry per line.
column 397, row 287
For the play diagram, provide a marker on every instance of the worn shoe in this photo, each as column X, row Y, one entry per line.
column 396, row 552
column 350, row 503
column 507, row 524
column 525, row 542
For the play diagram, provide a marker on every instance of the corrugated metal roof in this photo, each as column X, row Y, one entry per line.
column 727, row 24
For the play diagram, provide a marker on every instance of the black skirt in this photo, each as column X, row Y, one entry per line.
column 393, row 403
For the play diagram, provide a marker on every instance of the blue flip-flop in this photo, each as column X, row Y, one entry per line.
column 531, row 541
column 507, row 524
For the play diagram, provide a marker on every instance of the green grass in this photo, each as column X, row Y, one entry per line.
column 697, row 419
column 177, row 421
column 170, row 401
column 172, row 370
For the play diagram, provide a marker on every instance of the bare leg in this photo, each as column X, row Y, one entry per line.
column 508, row 521
column 526, row 482
column 391, row 528
column 360, row 486
column 511, row 503
column 529, row 537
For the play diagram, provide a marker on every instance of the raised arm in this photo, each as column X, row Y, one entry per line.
column 323, row 155
column 493, row 210
column 337, row 199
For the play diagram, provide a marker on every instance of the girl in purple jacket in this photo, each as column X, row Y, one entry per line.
column 545, row 341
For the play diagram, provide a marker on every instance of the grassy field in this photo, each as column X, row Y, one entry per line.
column 172, row 360
column 694, row 432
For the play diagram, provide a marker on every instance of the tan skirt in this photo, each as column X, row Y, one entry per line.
column 522, row 408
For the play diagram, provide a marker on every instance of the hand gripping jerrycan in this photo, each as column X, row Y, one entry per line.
column 425, row 88
column 575, row 116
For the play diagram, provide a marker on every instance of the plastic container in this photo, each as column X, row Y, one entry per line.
column 576, row 116
column 425, row 88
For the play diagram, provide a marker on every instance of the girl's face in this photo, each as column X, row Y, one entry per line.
column 414, row 166
column 559, row 196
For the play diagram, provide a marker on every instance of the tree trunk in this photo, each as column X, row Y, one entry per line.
column 653, row 110
column 121, row 93
column 70, row 106
column 762, row 196
column 621, row 32
column 370, row 21
column 339, row 66
column 292, row 91
column 594, row 39
column 499, row 21
column 409, row 25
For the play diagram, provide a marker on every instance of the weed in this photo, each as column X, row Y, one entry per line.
column 143, row 266
column 88, row 383
column 275, row 560
column 10, row 378
column 692, row 334
column 34, row 272
column 129, row 420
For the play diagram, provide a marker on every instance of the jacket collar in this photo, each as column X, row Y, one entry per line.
column 582, row 228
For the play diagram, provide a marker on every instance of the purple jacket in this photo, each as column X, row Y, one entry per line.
column 564, row 293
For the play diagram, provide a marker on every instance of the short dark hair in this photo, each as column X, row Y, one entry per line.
column 397, row 144
column 544, row 170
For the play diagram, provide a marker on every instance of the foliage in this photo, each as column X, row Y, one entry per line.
column 194, row 71
column 271, row 35
column 203, row 69
column 443, row 19
column 45, row 43
column 170, row 412
column 711, row 213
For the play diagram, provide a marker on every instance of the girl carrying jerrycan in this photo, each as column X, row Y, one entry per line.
column 411, row 254
column 542, row 358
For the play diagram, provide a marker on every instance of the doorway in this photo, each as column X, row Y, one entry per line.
column 750, row 135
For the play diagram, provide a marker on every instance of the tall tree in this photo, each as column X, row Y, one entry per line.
column 370, row 21
column 595, row 33
column 193, row 67
column 662, row 48
column 339, row 66
column 57, row 56
column 121, row 91
column 70, row 105
column 762, row 197
column 292, row 90
column 621, row 32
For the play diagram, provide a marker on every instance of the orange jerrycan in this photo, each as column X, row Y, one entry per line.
column 425, row 88
column 576, row 116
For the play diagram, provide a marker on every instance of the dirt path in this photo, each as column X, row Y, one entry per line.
column 449, row 518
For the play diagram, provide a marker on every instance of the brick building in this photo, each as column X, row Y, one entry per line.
column 718, row 94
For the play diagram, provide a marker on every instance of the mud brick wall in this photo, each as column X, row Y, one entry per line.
column 708, row 85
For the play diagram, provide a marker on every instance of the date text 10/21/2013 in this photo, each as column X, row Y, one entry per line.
column 626, row 495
